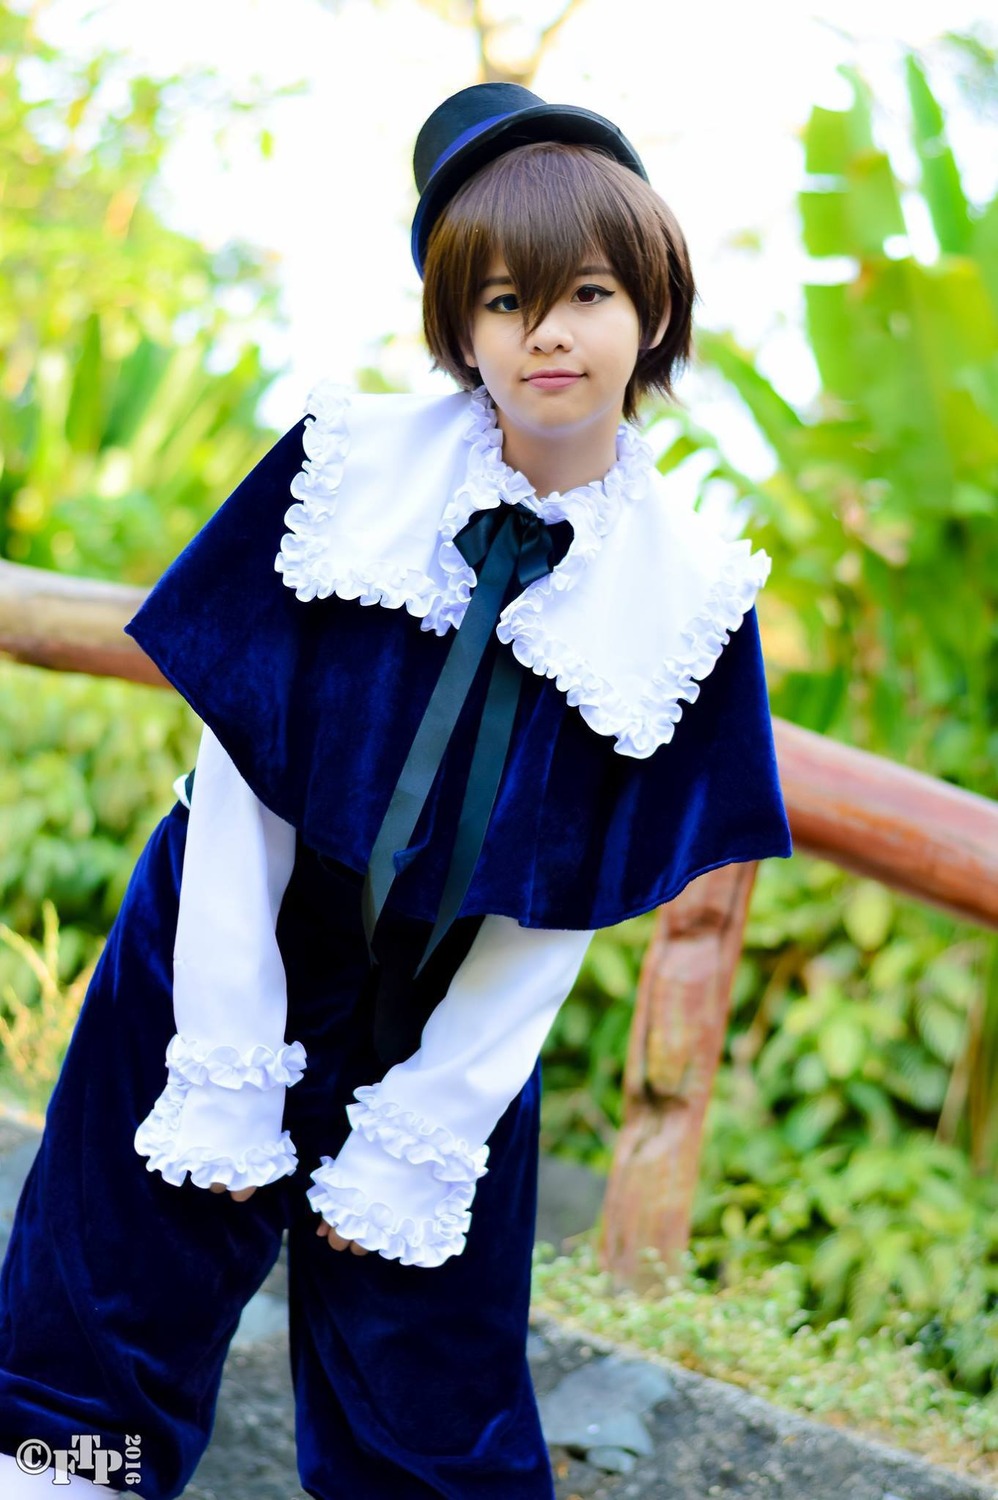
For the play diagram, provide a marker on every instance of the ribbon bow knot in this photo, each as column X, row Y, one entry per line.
column 518, row 527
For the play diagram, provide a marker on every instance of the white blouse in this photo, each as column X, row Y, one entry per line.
column 405, row 1178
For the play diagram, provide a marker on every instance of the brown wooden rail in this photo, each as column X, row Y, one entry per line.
column 71, row 624
column 918, row 835
column 870, row 815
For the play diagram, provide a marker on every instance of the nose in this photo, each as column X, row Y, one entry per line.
column 552, row 332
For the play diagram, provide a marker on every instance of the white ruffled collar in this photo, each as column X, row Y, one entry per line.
column 628, row 623
column 590, row 509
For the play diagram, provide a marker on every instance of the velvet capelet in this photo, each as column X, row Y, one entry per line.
column 642, row 751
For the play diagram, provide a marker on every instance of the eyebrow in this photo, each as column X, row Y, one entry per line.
column 582, row 271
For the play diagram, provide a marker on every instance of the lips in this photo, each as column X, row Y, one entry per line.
column 553, row 380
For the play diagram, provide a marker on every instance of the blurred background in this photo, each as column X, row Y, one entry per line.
column 205, row 208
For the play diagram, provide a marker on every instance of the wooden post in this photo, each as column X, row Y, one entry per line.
column 677, row 1035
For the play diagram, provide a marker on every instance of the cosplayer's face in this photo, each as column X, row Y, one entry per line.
column 566, row 377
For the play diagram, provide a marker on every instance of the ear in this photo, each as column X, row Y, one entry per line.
column 660, row 331
column 468, row 353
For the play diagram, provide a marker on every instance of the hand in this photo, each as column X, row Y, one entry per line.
column 337, row 1242
column 239, row 1194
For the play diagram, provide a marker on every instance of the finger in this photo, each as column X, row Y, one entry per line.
column 336, row 1240
column 242, row 1194
column 217, row 1187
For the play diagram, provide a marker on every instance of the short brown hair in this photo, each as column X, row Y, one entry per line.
column 545, row 208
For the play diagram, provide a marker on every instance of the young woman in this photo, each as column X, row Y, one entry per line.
column 485, row 686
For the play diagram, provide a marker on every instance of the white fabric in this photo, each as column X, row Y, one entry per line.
column 629, row 622
column 228, row 1067
column 16, row 1485
column 405, row 1178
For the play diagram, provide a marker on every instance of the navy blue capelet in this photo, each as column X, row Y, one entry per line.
column 642, row 749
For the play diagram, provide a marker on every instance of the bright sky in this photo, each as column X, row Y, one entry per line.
column 711, row 93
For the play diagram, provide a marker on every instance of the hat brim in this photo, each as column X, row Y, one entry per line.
column 546, row 122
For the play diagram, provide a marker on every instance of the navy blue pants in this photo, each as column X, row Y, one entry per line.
column 120, row 1293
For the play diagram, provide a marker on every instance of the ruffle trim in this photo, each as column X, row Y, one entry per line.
column 231, row 1069
column 309, row 566
column 408, row 1137
column 376, row 1226
column 591, row 509
column 156, row 1138
column 639, row 728
column 305, row 558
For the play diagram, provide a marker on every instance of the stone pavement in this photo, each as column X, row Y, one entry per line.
column 619, row 1427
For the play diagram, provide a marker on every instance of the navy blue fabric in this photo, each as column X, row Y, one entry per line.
column 317, row 703
column 119, row 1293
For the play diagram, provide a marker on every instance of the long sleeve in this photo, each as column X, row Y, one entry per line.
column 405, row 1178
column 228, row 1066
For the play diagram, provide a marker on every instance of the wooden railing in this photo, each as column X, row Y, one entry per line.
column 918, row 835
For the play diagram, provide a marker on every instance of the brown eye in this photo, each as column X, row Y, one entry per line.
column 589, row 294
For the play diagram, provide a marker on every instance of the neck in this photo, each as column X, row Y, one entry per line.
column 556, row 463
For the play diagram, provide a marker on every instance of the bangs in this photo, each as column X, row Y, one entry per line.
column 547, row 210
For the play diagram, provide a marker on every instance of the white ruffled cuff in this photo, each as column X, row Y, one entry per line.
column 418, row 1180
column 219, row 1117
column 231, row 1069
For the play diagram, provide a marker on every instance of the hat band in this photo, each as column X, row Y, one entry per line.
column 464, row 138
column 456, row 145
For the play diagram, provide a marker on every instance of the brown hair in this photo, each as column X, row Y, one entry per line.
column 545, row 208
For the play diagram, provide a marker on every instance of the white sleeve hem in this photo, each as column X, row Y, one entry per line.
column 414, row 1242
column 405, row 1178
column 228, row 1066
column 434, row 1228
column 159, row 1138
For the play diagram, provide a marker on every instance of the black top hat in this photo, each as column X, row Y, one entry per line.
column 480, row 123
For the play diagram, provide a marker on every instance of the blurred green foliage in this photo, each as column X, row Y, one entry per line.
column 832, row 1128
column 37, row 1020
column 128, row 385
column 759, row 1333
column 881, row 619
column 837, row 1133
column 128, row 390
column 86, row 768
column 854, row 1126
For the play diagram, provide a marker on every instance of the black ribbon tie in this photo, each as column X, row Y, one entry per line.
column 498, row 544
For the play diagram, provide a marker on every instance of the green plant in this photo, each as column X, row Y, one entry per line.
column 759, row 1331
column 86, row 767
column 128, row 380
column 35, row 1031
column 880, row 616
column 827, row 1139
